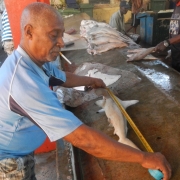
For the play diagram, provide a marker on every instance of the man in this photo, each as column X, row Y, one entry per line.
column 7, row 39
column 136, row 8
column 174, row 38
column 30, row 110
column 117, row 19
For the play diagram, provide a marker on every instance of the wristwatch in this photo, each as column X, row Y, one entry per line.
column 166, row 43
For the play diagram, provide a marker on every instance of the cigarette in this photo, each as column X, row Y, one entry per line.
column 65, row 58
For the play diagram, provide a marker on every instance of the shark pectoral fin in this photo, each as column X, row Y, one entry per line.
column 110, row 125
column 100, row 111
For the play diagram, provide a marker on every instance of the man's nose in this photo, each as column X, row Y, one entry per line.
column 60, row 42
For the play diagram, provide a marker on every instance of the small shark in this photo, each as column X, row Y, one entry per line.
column 114, row 115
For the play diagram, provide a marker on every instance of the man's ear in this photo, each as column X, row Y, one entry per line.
column 28, row 31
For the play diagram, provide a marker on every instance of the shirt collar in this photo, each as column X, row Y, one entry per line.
column 22, row 52
column 120, row 13
column 32, row 64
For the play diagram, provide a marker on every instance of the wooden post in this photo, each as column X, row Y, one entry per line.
column 14, row 10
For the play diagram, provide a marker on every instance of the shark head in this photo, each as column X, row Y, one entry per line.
column 101, row 103
column 101, row 92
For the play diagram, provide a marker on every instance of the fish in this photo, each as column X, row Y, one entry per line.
column 101, row 37
column 86, row 25
column 94, row 36
column 103, row 30
column 104, row 39
column 93, row 49
column 135, row 50
column 108, row 31
column 141, row 54
column 107, row 78
column 114, row 115
column 148, row 57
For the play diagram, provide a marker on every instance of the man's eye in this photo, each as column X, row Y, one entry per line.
column 54, row 36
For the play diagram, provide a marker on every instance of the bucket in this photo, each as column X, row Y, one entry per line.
column 47, row 146
column 87, row 8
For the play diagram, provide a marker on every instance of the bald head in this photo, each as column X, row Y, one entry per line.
column 38, row 14
column 42, row 31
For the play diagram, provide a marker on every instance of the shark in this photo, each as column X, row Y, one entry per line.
column 114, row 115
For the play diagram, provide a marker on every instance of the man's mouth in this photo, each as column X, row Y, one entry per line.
column 56, row 52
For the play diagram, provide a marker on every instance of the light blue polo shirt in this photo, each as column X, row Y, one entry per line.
column 29, row 109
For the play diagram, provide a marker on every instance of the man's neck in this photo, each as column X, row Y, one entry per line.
column 38, row 63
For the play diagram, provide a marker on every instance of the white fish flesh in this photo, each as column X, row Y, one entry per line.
column 135, row 50
column 148, row 57
column 102, row 30
column 101, row 34
column 95, row 36
column 108, row 79
column 89, row 28
column 86, row 25
column 141, row 54
column 105, row 47
column 115, row 117
column 104, row 39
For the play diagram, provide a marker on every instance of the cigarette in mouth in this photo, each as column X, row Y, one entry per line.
column 65, row 58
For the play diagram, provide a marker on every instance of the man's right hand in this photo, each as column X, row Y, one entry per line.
column 160, row 47
column 157, row 161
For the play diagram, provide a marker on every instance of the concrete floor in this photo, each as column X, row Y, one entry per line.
column 45, row 168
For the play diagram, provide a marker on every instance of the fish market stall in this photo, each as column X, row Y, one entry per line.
column 156, row 86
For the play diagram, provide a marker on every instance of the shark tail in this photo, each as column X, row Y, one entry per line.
column 128, row 142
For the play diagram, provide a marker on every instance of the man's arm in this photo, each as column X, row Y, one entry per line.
column 101, row 146
column 162, row 47
column 73, row 80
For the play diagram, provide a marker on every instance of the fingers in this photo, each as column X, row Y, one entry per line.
column 166, row 170
column 165, row 167
column 98, row 83
column 157, row 161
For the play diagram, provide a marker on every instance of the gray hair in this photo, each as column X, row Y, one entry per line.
column 38, row 14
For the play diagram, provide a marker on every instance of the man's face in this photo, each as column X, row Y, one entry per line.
column 47, row 41
column 124, row 10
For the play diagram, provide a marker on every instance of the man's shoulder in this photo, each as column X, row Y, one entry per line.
column 116, row 14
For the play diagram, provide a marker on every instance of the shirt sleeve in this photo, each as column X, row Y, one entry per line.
column 116, row 22
column 113, row 22
column 55, row 71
